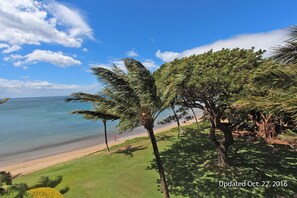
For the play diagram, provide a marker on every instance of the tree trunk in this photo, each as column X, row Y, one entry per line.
column 159, row 162
column 223, row 146
column 177, row 121
column 195, row 117
column 267, row 127
column 105, row 134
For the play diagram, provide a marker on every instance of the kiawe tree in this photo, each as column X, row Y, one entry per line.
column 210, row 82
column 272, row 100
column 132, row 96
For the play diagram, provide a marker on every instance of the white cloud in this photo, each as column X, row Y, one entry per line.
column 167, row 56
column 24, row 88
column 4, row 45
column 264, row 40
column 56, row 58
column 150, row 64
column 12, row 48
column 132, row 53
column 85, row 50
column 35, row 22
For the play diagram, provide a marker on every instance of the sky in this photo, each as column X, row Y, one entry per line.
column 47, row 47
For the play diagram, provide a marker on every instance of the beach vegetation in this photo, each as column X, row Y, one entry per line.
column 271, row 102
column 44, row 192
column 211, row 82
column 8, row 189
column 132, row 96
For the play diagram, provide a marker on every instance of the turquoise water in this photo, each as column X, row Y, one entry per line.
column 29, row 123
column 37, row 127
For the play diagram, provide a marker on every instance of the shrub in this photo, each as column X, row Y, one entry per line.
column 45, row 192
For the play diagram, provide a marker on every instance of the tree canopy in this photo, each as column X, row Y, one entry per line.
column 212, row 82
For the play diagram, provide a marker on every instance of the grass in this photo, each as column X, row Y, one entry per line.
column 130, row 170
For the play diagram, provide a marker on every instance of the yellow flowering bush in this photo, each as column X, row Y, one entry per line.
column 45, row 192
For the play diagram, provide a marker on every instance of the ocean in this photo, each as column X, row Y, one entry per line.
column 31, row 128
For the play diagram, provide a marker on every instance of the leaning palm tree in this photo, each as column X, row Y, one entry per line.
column 132, row 96
column 288, row 52
column 97, row 115
column 3, row 100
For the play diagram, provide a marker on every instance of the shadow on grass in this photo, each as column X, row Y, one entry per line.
column 190, row 172
column 129, row 150
column 170, row 138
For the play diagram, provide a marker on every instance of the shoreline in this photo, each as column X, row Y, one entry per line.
column 31, row 166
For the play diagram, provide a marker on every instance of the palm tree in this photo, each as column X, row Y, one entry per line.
column 97, row 115
column 133, row 97
column 3, row 100
column 288, row 52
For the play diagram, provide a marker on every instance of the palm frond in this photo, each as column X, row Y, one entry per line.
column 85, row 97
column 131, row 96
column 276, row 79
column 116, row 85
column 143, row 84
column 287, row 54
column 4, row 100
column 293, row 33
column 95, row 115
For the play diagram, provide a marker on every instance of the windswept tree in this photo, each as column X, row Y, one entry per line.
column 169, row 95
column 132, row 96
column 272, row 99
column 210, row 82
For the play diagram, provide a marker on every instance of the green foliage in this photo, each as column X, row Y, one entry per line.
column 211, row 78
column 129, row 96
column 5, row 180
column 45, row 181
column 272, row 90
column 64, row 190
column 212, row 82
column 95, row 115
column 8, row 189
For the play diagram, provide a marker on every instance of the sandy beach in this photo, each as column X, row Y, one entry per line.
column 44, row 162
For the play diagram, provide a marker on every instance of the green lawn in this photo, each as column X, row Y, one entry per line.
column 130, row 170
